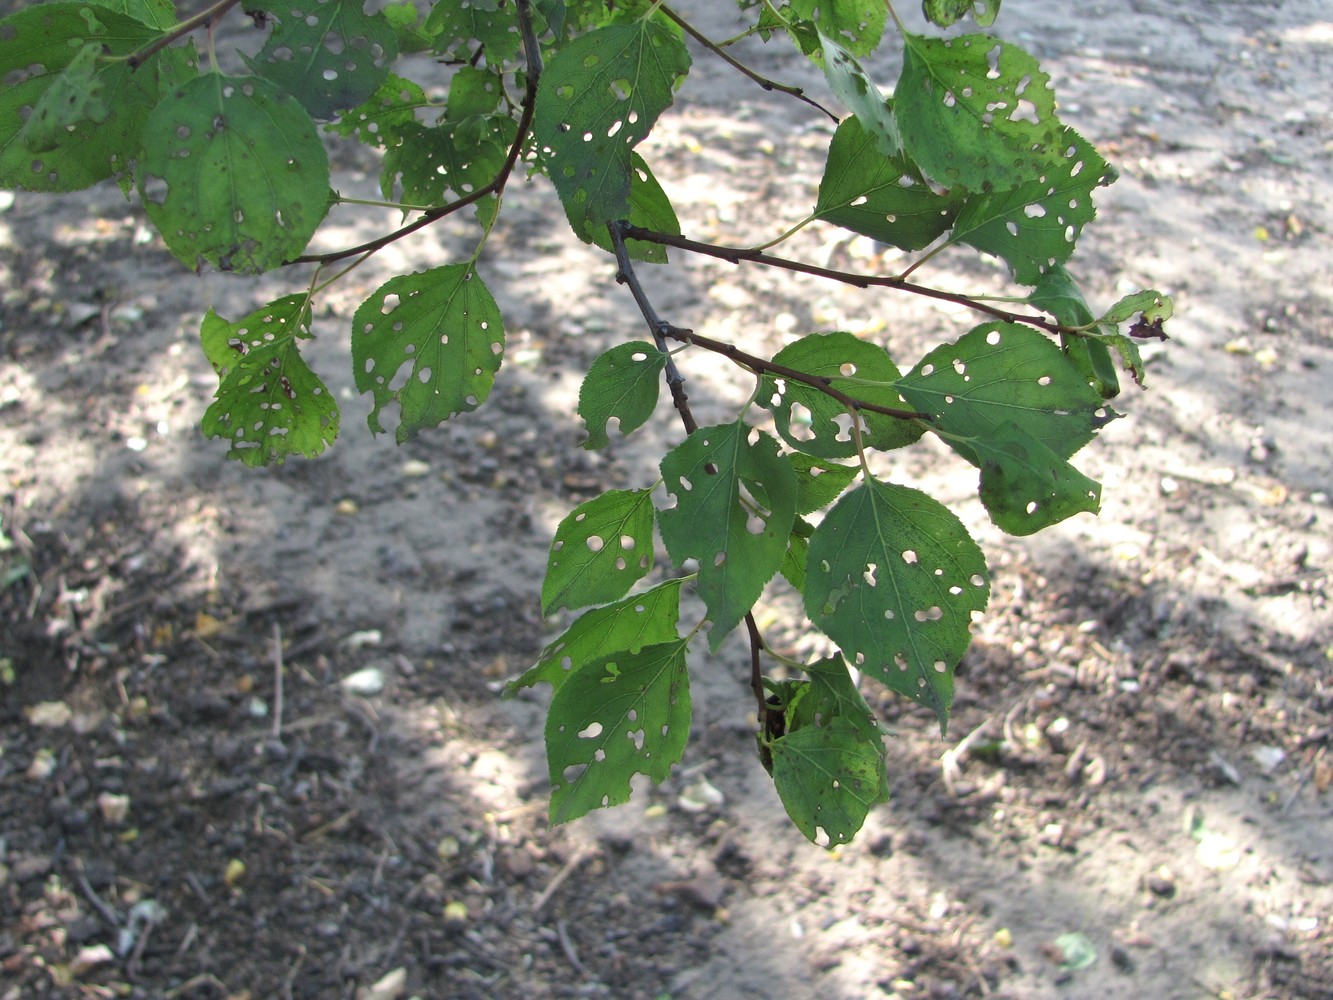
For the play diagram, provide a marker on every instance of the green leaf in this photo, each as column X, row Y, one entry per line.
column 159, row 14
column 459, row 26
column 856, row 25
column 430, row 162
column 408, row 28
column 385, row 116
column 735, row 505
column 639, row 620
column 1034, row 226
column 432, row 342
column 626, row 714
column 600, row 550
column 233, row 174
column 852, row 366
column 1003, row 373
column 473, row 91
column 49, row 54
column 947, row 12
column 76, row 96
column 269, row 404
column 883, row 197
column 829, row 765
column 798, row 552
column 829, row 778
column 330, row 55
column 1058, row 295
column 1155, row 307
column 598, row 98
column 818, row 483
column 622, row 384
column 894, row 578
column 649, row 207
column 1026, row 486
column 860, row 95
column 976, row 113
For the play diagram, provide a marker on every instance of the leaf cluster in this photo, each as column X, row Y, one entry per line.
column 964, row 150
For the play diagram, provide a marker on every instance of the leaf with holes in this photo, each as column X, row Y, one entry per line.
column 49, row 55
column 856, row 25
column 829, row 766
column 328, row 54
column 1026, row 486
column 735, row 504
column 883, row 197
column 852, row 366
column 1152, row 304
column 1002, row 373
column 600, row 550
column 473, row 91
column 460, row 26
column 1034, row 226
column 77, row 96
column 1058, row 294
column 598, row 98
column 853, row 87
column 233, row 174
column 819, row 483
column 429, row 162
column 829, row 778
column 269, row 404
column 621, row 385
column 625, row 714
column 894, row 578
column 649, row 207
column 947, row 12
column 976, row 113
column 385, row 115
column 430, row 341
column 639, row 620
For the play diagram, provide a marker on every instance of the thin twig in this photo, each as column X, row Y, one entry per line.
column 495, row 186
column 759, row 365
column 277, row 683
column 203, row 18
column 108, row 914
column 738, row 255
column 660, row 329
column 567, row 945
column 570, row 866
column 763, row 81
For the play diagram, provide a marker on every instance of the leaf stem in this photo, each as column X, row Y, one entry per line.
column 738, row 255
column 763, row 81
column 373, row 203
column 495, row 186
column 204, row 17
column 788, row 234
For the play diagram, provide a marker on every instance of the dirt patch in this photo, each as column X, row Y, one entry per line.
column 1139, row 753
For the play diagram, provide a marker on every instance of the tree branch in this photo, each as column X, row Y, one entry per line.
column 738, row 255
column 661, row 330
column 819, row 382
column 137, row 59
column 763, row 81
column 495, row 186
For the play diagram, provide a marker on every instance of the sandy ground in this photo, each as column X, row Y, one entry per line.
column 1149, row 695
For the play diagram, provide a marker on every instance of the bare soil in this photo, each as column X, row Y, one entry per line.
column 1140, row 751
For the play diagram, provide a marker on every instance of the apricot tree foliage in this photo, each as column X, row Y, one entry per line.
column 964, row 150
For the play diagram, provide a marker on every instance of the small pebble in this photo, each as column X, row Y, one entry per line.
column 366, row 682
